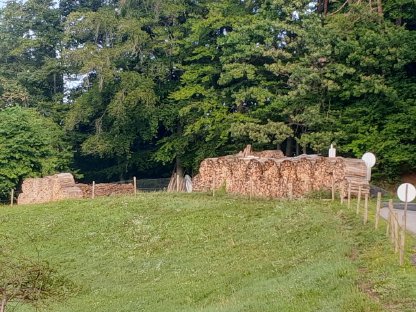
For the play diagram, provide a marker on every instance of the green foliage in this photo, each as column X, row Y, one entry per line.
column 185, row 80
column 271, row 132
column 30, row 145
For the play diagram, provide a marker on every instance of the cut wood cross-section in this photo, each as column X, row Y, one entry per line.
column 267, row 174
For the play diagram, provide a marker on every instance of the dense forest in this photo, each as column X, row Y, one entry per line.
column 110, row 89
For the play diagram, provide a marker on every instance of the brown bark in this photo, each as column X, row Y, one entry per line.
column 3, row 304
column 379, row 8
column 326, row 7
column 289, row 147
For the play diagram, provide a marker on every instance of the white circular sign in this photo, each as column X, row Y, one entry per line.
column 411, row 192
column 369, row 159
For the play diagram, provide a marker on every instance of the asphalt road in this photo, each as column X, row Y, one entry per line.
column 411, row 218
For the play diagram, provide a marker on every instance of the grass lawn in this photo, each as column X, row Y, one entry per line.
column 180, row 252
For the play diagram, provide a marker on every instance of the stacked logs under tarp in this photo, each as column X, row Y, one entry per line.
column 281, row 177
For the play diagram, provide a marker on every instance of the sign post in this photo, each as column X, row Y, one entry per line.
column 406, row 193
column 370, row 161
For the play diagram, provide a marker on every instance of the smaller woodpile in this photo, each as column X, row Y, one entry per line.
column 47, row 189
column 106, row 189
column 62, row 186
column 253, row 174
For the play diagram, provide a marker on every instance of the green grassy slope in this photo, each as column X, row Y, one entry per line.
column 167, row 252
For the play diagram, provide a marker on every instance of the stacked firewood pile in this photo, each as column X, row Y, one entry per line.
column 282, row 177
column 52, row 188
column 106, row 189
column 63, row 186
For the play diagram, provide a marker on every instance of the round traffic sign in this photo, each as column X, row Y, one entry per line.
column 411, row 192
column 369, row 159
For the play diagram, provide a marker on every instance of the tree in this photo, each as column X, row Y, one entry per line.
column 353, row 85
column 31, row 71
column 30, row 145
column 227, row 77
column 125, row 53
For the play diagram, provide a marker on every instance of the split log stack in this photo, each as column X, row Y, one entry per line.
column 62, row 186
column 48, row 189
column 280, row 177
column 107, row 189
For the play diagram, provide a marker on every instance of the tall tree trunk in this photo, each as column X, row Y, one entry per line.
column 289, row 147
column 326, row 7
column 297, row 149
column 379, row 8
column 179, row 167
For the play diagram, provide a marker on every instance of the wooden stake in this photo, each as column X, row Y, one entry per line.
column 177, row 182
column 365, row 208
column 333, row 188
column 378, row 210
column 11, row 197
column 402, row 245
column 396, row 233
column 392, row 229
column 135, row 186
column 290, row 190
column 405, row 210
column 93, row 190
column 359, row 199
column 388, row 229
column 349, row 195
column 341, row 194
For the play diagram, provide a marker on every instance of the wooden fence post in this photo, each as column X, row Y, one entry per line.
column 333, row 188
column 135, row 186
column 359, row 199
column 396, row 232
column 378, row 210
column 365, row 208
column 389, row 218
column 341, row 194
column 12, row 197
column 402, row 244
column 349, row 195
column 93, row 190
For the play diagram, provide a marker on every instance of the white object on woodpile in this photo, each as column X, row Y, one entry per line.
column 408, row 195
column 188, row 183
column 370, row 161
column 332, row 151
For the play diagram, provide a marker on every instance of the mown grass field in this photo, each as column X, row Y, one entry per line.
column 180, row 252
